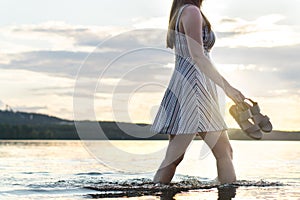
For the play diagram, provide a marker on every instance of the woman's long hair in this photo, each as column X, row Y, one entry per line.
column 173, row 16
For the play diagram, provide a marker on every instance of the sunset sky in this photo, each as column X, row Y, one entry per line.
column 44, row 44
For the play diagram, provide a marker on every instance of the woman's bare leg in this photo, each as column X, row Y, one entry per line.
column 174, row 155
column 221, row 148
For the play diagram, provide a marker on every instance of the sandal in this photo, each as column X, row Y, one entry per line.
column 263, row 121
column 242, row 113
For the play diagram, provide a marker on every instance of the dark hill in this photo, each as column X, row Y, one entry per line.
column 22, row 125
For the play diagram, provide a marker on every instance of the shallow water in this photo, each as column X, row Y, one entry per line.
column 75, row 170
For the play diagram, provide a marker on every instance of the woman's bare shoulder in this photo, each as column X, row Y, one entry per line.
column 191, row 12
column 191, row 9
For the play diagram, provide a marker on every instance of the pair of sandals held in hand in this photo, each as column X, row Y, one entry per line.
column 249, row 118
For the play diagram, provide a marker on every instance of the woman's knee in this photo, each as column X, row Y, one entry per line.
column 222, row 148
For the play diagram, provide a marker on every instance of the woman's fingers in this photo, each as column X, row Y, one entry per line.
column 238, row 97
column 235, row 94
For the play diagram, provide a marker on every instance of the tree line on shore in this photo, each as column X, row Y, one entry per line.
column 22, row 125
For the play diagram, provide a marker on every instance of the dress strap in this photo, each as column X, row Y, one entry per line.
column 178, row 16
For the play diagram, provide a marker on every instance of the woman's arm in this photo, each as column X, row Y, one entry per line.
column 192, row 25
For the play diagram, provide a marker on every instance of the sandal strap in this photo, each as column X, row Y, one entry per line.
column 244, row 115
column 265, row 121
column 252, row 129
column 255, row 109
column 253, row 102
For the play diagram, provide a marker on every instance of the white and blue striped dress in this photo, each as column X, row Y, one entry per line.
column 190, row 103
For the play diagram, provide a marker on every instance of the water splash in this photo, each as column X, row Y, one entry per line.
column 144, row 186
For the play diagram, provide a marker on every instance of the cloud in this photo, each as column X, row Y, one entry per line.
column 127, row 55
column 63, row 63
column 134, row 58
column 61, row 90
column 264, row 31
column 137, row 63
column 31, row 108
column 55, row 35
column 58, row 35
column 262, row 70
column 274, row 57
column 253, row 9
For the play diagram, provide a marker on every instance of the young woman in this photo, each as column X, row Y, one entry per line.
column 190, row 104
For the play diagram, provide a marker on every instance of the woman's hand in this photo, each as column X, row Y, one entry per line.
column 234, row 94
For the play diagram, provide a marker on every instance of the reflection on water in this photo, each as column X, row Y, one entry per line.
column 226, row 193
column 66, row 170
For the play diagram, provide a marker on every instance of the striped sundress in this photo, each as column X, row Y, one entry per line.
column 190, row 103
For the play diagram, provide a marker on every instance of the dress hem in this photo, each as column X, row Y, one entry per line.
column 219, row 130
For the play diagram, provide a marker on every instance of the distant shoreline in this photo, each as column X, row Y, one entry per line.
column 112, row 133
column 34, row 126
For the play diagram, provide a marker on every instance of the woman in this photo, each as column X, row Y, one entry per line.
column 190, row 104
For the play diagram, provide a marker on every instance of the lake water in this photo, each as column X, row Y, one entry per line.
column 114, row 169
